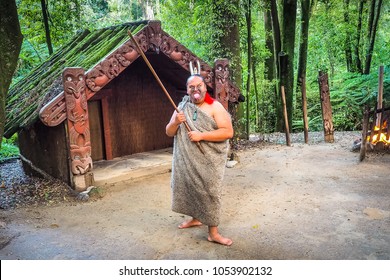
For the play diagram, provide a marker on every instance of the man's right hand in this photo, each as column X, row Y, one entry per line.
column 180, row 118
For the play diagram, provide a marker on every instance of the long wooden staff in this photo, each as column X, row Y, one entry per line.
column 139, row 50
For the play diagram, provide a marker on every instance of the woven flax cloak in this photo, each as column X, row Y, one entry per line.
column 197, row 178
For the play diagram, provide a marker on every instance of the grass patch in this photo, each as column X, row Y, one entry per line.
column 9, row 149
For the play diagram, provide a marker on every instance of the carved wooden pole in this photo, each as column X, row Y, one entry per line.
column 326, row 107
column 221, row 81
column 78, row 127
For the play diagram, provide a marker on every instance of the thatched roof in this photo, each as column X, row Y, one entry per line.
column 42, row 84
column 95, row 52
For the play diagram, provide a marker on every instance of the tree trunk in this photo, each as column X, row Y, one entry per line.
column 248, row 18
column 356, row 58
column 276, row 33
column 288, row 43
column 256, row 93
column 10, row 45
column 304, row 40
column 270, row 63
column 47, row 28
column 225, row 43
column 306, row 10
column 277, row 49
column 373, row 25
column 347, row 47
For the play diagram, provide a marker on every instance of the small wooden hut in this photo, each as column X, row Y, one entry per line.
column 95, row 99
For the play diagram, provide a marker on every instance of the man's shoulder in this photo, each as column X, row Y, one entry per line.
column 218, row 105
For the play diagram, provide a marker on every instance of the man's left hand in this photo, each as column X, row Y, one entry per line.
column 195, row 136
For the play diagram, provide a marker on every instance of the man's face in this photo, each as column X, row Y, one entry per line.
column 196, row 89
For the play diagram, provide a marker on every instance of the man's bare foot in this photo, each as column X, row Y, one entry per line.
column 190, row 223
column 220, row 239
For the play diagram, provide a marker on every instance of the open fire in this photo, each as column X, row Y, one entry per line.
column 380, row 134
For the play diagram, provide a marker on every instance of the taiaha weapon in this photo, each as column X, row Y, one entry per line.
column 139, row 50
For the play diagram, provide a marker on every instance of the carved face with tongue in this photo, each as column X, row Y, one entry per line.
column 196, row 89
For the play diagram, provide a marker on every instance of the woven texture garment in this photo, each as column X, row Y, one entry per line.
column 196, row 177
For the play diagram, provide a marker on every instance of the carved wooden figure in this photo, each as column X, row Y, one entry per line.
column 326, row 107
column 77, row 118
column 222, row 81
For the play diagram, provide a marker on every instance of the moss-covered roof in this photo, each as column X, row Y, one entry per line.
column 30, row 94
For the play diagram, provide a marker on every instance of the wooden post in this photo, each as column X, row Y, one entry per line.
column 379, row 120
column 78, row 127
column 304, row 110
column 326, row 107
column 283, row 73
column 380, row 95
column 363, row 145
column 288, row 142
column 388, row 130
column 372, row 133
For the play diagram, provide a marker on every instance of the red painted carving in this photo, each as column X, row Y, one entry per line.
column 234, row 93
column 181, row 55
column 222, row 82
column 126, row 54
column 154, row 35
column 114, row 64
column 176, row 55
column 104, row 72
column 78, row 125
column 54, row 112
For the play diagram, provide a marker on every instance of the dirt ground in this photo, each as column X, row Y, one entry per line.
column 304, row 202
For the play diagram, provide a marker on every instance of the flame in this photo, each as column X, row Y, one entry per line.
column 383, row 137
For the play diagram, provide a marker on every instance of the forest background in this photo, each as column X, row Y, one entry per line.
column 347, row 39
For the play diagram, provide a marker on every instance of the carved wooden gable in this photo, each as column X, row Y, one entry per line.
column 150, row 38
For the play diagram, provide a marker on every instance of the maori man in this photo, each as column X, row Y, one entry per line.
column 197, row 177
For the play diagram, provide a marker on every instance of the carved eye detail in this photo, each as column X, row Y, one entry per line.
column 81, row 78
column 69, row 78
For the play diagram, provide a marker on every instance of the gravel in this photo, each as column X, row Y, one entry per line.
column 342, row 138
column 17, row 189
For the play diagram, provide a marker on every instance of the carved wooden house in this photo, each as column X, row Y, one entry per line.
column 96, row 99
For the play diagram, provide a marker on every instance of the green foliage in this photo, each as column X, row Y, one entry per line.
column 189, row 23
column 66, row 19
column 196, row 24
column 9, row 148
column 351, row 93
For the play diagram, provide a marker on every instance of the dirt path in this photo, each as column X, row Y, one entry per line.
column 313, row 201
